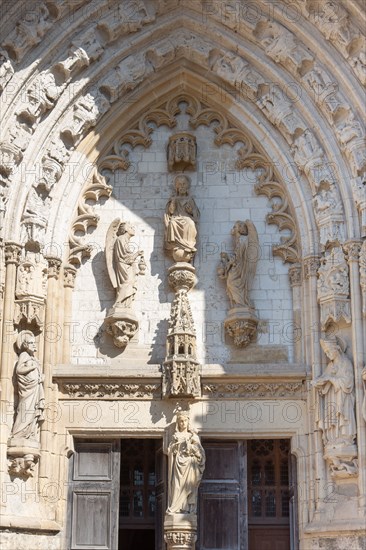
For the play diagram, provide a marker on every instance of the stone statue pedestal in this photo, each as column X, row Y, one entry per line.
column 182, row 276
column 23, row 455
column 241, row 325
column 180, row 531
column 122, row 324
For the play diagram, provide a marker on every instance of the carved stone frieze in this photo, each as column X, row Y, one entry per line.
column 253, row 390
column 333, row 288
column 111, row 390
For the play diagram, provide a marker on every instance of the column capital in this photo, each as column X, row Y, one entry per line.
column 311, row 265
column 295, row 275
column 12, row 253
column 352, row 250
column 54, row 265
column 69, row 276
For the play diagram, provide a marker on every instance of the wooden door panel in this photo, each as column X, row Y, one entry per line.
column 91, row 527
column 219, row 515
column 264, row 537
column 93, row 501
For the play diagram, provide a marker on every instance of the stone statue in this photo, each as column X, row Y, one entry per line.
column 122, row 264
column 181, row 217
column 29, row 379
column 186, row 459
column 336, row 387
column 239, row 268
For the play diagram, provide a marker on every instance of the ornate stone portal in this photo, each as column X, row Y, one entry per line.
column 239, row 269
column 336, row 416
column 24, row 441
column 186, row 464
column 124, row 263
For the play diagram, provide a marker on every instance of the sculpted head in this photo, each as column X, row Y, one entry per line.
column 125, row 227
column 182, row 184
column 182, row 421
column 240, row 228
column 332, row 347
column 26, row 342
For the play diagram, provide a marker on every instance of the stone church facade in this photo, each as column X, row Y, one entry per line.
column 183, row 274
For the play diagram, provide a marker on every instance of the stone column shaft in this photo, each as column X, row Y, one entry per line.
column 352, row 249
column 311, row 264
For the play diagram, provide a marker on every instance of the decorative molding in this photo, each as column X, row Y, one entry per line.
column 111, row 390
column 363, row 278
column 54, row 266
column 86, row 218
column 257, row 390
column 352, row 250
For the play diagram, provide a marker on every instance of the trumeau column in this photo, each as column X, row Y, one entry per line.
column 311, row 264
column 50, row 359
column 295, row 276
column 352, row 250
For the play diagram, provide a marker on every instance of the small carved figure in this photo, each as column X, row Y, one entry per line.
column 186, row 458
column 181, row 217
column 239, row 268
column 336, row 387
column 30, row 408
column 122, row 264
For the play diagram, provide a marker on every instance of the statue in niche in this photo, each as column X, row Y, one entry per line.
column 29, row 379
column 239, row 268
column 122, row 261
column 336, row 388
column 186, row 459
column 181, row 217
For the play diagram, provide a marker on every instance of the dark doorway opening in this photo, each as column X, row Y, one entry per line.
column 137, row 495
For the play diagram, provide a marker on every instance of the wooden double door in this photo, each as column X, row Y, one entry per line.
column 117, row 496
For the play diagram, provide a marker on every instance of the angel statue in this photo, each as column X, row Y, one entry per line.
column 181, row 217
column 122, row 261
column 239, row 268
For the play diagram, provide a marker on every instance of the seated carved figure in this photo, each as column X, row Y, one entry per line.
column 181, row 217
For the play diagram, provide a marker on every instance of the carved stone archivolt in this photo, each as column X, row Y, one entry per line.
column 335, row 413
column 333, row 288
column 124, row 262
column 24, row 441
column 238, row 269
